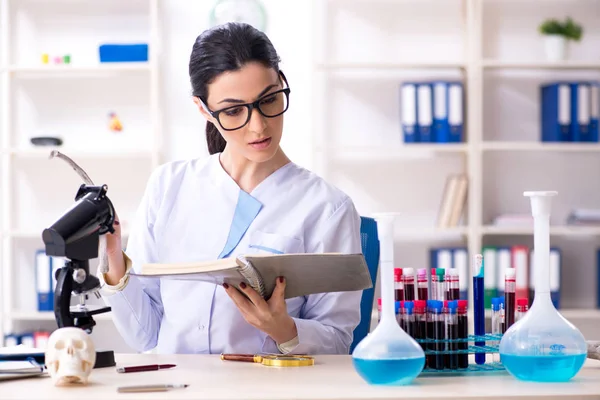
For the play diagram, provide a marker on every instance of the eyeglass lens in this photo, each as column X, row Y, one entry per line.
column 237, row 116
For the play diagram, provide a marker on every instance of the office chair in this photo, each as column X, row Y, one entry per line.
column 370, row 250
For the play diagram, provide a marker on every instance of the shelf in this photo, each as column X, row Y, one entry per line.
column 74, row 70
column 376, row 66
column 541, row 146
column 409, row 150
column 75, row 153
column 47, row 316
column 554, row 230
column 491, row 64
column 415, row 233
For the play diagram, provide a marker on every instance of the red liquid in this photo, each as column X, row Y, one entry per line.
column 509, row 303
column 409, row 291
column 399, row 294
column 422, row 292
column 453, row 294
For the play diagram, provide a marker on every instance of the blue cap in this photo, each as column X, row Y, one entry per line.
column 437, row 305
column 397, row 306
column 496, row 302
column 409, row 306
column 453, row 306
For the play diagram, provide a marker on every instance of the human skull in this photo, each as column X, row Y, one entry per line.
column 70, row 356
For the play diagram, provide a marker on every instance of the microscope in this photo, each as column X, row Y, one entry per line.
column 76, row 237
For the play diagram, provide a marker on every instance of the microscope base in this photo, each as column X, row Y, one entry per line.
column 105, row 358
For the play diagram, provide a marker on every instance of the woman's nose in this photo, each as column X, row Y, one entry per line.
column 257, row 122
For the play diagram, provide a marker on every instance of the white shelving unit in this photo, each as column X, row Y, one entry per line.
column 38, row 100
column 493, row 47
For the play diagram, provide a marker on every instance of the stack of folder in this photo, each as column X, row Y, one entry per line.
column 432, row 111
column 570, row 111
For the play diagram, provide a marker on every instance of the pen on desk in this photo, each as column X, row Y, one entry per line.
column 478, row 304
column 141, row 368
column 149, row 388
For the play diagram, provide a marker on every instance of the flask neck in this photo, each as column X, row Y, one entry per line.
column 388, row 304
column 541, row 255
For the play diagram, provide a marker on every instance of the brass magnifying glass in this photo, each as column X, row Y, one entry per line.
column 272, row 360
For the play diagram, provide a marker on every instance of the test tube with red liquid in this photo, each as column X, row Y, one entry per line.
column 398, row 287
column 422, row 284
column 509, row 297
column 453, row 290
column 408, row 281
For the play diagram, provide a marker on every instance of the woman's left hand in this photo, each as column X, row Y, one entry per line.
column 269, row 316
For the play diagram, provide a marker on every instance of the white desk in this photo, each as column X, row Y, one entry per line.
column 332, row 377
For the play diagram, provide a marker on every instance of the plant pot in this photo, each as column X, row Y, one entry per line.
column 556, row 47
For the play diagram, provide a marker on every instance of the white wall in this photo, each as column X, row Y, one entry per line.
column 289, row 28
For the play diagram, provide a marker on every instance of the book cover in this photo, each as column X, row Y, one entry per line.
column 306, row 273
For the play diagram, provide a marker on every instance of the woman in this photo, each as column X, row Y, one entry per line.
column 247, row 197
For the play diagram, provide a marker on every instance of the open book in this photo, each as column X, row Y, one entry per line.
column 305, row 273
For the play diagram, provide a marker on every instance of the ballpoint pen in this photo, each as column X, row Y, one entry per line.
column 149, row 388
column 141, row 368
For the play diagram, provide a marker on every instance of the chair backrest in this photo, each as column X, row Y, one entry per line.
column 370, row 249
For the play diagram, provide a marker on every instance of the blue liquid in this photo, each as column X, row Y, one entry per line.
column 389, row 372
column 550, row 368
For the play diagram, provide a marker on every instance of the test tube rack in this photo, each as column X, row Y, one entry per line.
column 446, row 347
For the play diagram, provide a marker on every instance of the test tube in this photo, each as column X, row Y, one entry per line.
column 409, row 318
column 522, row 308
column 398, row 287
column 378, row 310
column 441, row 273
column 453, row 291
column 399, row 318
column 430, row 359
column 463, row 333
column 496, row 328
column 509, row 297
column 446, row 346
column 408, row 281
column 420, row 310
column 422, row 284
column 452, row 334
column 478, row 305
column 439, row 334
column 434, row 284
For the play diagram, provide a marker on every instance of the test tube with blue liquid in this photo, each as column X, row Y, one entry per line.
column 388, row 356
column 478, row 304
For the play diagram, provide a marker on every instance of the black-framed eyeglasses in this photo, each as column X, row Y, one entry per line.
column 235, row 117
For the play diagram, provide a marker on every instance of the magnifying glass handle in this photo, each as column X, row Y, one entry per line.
column 241, row 357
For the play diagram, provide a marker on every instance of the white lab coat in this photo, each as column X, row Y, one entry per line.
column 194, row 211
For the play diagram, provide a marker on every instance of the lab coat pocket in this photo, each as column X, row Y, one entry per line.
column 271, row 243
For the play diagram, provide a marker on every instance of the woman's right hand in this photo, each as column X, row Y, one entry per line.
column 114, row 252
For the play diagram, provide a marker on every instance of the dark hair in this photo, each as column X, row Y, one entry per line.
column 225, row 48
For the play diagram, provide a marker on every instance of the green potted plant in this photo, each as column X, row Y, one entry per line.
column 557, row 35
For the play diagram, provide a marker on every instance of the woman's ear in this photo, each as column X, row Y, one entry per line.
column 203, row 111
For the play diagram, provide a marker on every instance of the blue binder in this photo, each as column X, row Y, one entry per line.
column 556, row 112
column 594, row 110
column 456, row 105
column 441, row 128
column 43, row 278
column 408, row 112
column 425, row 112
column 580, row 111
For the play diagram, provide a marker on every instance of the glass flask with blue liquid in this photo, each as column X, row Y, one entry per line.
column 542, row 346
column 388, row 355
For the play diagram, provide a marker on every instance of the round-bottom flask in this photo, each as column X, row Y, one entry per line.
column 388, row 355
column 542, row 346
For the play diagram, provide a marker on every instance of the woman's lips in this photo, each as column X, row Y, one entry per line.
column 261, row 144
